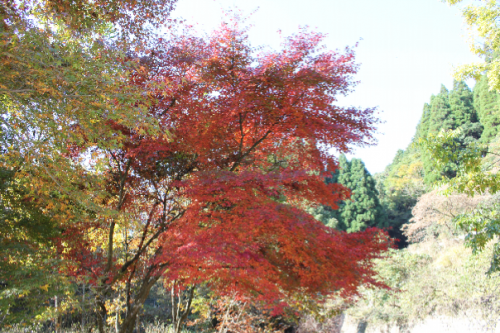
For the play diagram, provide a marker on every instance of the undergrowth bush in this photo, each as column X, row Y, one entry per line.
column 438, row 277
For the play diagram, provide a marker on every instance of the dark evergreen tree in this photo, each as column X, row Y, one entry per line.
column 423, row 125
column 461, row 101
column 487, row 105
column 363, row 209
column 440, row 112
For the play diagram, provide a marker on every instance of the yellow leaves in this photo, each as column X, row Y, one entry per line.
column 49, row 206
column 484, row 36
column 11, row 260
column 473, row 70
column 45, row 287
column 141, row 131
column 408, row 175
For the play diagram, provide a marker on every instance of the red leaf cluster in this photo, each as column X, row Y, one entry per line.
column 244, row 145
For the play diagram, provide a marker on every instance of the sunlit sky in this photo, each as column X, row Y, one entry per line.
column 407, row 49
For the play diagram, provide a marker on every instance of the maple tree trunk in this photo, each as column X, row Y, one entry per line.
column 131, row 317
column 128, row 324
column 101, row 314
column 178, row 319
column 131, row 320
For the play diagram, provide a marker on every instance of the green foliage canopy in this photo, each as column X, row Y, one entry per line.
column 481, row 18
column 474, row 175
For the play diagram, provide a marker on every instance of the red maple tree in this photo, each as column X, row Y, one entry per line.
column 218, row 194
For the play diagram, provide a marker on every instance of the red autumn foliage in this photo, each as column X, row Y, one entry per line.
column 221, row 196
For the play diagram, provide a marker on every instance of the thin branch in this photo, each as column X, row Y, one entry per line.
column 256, row 143
column 126, row 265
column 172, row 104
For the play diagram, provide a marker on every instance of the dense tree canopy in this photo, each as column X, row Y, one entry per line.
column 240, row 132
column 194, row 164
column 132, row 162
column 64, row 71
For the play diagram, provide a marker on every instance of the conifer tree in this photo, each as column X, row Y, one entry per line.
column 423, row 125
column 487, row 105
column 462, row 105
column 364, row 209
column 440, row 111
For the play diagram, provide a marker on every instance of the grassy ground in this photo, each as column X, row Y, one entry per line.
column 148, row 328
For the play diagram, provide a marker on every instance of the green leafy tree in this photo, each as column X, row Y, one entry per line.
column 481, row 18
column 399, row 186
column 447, row 110
column 324, row 214
column 65, row 73
column 27, row 251
column 475, row 174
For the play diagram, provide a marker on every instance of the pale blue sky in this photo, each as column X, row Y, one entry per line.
column 408, row 49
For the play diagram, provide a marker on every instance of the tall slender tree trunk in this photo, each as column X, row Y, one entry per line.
column 362, row 324
column 131, row 318
column 179, row 318
column 173, row 298
column 101, row 313
column 83, row 308
column 117, row 322
column 56, row 305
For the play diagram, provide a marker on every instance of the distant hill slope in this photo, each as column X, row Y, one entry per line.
column 476, row 112
column 438, row 279
column 386, row 199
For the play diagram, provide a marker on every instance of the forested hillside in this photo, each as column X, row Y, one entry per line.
column 434, row 269
column 386, row 200
column 411, row 173
column 155, row 177
column 438, row 276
